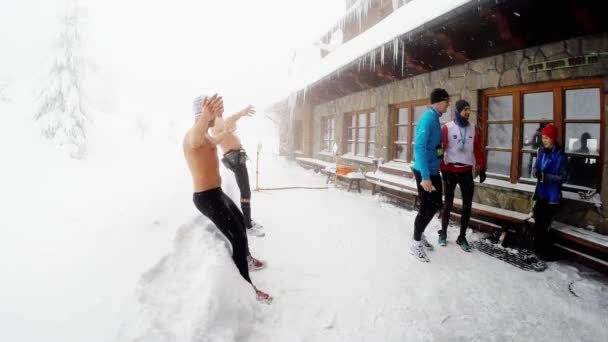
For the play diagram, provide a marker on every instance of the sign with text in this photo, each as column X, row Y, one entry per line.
column 569, row 62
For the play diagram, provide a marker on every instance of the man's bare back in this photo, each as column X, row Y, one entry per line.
column 223, row 130
column 231, row 141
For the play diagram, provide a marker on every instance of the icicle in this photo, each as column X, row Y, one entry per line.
column 382, row 55
column 402, row 58
column 304, row 95
column 395, row 50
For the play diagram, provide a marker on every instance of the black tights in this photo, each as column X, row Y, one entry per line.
column 467, row 186
column 430, row 202
column 220, row 209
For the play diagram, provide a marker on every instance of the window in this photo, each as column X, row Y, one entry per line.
column 328, row 133
column 298, row 137
column 514, row 118
column 361, row 133
column 403, row 128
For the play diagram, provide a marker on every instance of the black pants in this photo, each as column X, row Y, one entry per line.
column 543, row 216
column 236, row 162
column 467, row 186
column 220, row 209
column 430, row 202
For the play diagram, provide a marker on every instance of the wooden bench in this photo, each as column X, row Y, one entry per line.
column 398, row 191
column 352, row 178
column 584, row 246
column 496, row 219
column 312, row 164
column 483, row 217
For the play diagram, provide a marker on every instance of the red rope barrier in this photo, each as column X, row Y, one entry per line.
column 296, row 187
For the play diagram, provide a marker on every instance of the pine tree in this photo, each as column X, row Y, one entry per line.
column 63, row 114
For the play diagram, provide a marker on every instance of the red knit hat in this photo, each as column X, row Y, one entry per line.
column 550, row 131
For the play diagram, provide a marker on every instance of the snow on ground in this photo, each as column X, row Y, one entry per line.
column 340, row 271
column 112, row 249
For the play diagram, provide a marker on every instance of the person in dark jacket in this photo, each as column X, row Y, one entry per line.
column 551, row 173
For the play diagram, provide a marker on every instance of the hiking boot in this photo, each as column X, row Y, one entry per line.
column 254, row 264
column 417, row 250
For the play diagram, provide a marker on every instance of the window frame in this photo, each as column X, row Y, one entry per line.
column 558, row 88
column 411, row 126
column 327, row 144
column 355, row 141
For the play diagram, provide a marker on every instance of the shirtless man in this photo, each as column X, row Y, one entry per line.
column 201, row 154
column 235, row 159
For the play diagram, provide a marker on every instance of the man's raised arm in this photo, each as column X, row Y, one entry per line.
column 209, row 109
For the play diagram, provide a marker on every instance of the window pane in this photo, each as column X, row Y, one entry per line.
column 403, row 116
column 372, row 134
column 413, row 153
column 584, row 170
column 499, row 162
column 582, row 138
column 527, row 165
column 361, row 149
column 532, row 137
column 583, row 103
column 351, row 134
column 414, row 135
column 401, row 152
column 350, row 147
column 372, row 119
column 353, row 121
column 362, row 136
column 500, row 135
column 402, row 133
column 446, row 117
column 362, row 120
column 418, row 111
column 371, row 150
column 500, row 108
column 333, row 123
column 538, row 106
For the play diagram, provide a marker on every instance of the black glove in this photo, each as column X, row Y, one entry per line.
column 482, row 176
column 538, row 175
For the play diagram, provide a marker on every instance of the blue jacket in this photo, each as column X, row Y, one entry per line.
column 553, row 166
column 427, row 149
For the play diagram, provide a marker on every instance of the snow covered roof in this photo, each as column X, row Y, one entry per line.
column 366, row 46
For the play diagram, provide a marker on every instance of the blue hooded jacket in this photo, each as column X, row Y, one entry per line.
column 553, row 166
column 428, row 141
